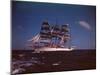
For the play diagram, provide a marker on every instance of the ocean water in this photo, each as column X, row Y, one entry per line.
column 25, row 61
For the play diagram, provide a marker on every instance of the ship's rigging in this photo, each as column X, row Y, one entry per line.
column 52, row 36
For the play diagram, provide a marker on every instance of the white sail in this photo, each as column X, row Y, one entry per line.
column 35, row 38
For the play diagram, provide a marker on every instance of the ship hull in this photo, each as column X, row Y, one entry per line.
column 52, row 49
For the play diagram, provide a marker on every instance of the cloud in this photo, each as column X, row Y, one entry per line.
column 85, row 25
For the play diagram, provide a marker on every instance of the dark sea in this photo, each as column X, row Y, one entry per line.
column 26, row 61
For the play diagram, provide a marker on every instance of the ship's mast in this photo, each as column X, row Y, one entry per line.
column 55, row 33
column 65, row 36
column 45, row 34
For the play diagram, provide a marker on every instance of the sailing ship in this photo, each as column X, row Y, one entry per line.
column 52, row 38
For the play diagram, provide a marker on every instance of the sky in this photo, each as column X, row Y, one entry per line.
column 27, row 18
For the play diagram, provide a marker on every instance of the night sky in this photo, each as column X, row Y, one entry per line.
column 27, row 18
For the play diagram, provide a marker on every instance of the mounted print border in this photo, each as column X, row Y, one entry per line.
column 52, row 37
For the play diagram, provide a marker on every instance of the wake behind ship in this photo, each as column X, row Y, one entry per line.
column 52, row 38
